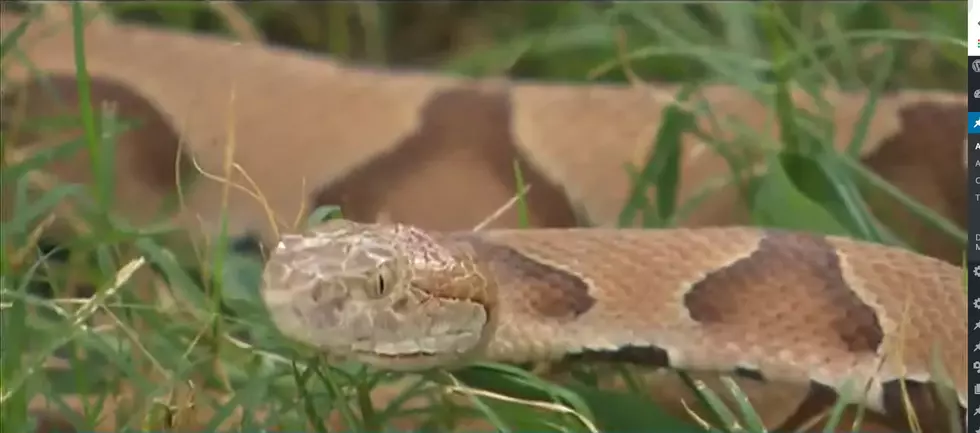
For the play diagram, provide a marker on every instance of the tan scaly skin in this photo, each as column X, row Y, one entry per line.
column 434, row 150
column 789, row 307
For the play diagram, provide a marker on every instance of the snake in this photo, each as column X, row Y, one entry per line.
column 528, row 295
column 822, row 311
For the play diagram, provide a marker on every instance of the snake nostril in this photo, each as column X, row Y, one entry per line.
column 400, row 305
column 335, row 305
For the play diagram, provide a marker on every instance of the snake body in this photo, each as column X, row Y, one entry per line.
column 777, row 306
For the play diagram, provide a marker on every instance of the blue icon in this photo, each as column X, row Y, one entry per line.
column 973, row 126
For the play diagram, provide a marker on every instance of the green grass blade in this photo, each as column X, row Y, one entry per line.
column 662, row 168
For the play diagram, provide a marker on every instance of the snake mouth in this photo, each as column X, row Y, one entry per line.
column 420, row 353
column 398, row 356
column 409, row 362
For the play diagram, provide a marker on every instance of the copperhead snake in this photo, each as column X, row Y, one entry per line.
column 787, row 306
column 542, row 129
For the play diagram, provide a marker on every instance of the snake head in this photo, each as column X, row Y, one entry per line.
column 386, row 294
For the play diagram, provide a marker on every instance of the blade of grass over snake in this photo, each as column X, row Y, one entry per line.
column 322, row 214
column 698, row 387
column 337, row 395
column 101, row 167
column 728, row 420
column 662, row 168
column 837, row 410
column 776, row 203
column 669, row 23
column 14, row 398
column 45, row 205
column 522, row 214
column 817, row 73
column 40, row 158
column 937, row 21
column 366, row 407
column 945, row 390
column 749, row 416
column 76, row 322
column 735, row 153
column 689, row 42
column 803, row 156
column 739, row 27
column 9, row 42
column 526, row 382
column 924, row 213
column 845, row 54
column 248, row 396
column 668, row 158
column 810, row 176
column 890, row 36
column 482, row 407
column 867, row 112
column 108, row 129
column 693, row 53
column 394, row 406
column 176, row 276
column 629, row 411
column 782, row 71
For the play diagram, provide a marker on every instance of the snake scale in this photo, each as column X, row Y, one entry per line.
column 774, row 305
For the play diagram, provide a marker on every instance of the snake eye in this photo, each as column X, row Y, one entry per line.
column 382, row 288
column 384, row 284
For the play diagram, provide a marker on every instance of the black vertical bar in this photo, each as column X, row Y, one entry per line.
column 973, row 242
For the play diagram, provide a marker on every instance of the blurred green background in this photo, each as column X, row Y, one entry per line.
column 844, row 42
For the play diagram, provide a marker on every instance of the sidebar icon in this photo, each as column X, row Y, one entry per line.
column 973, row 243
